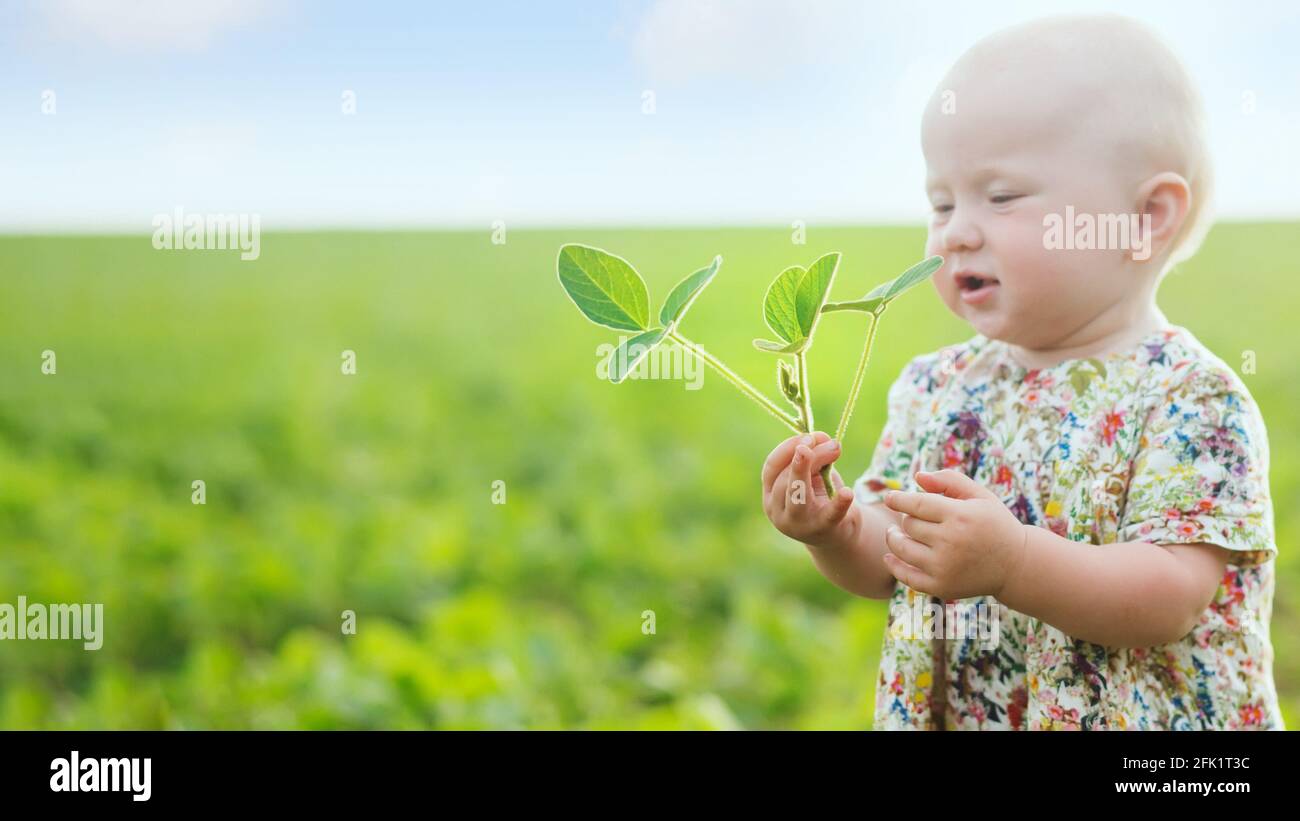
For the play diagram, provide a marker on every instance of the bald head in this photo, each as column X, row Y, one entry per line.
column 1104, row 85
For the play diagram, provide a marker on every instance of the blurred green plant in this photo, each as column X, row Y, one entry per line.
column 370, row 492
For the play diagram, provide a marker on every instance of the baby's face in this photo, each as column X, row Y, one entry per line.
column 1011, row 153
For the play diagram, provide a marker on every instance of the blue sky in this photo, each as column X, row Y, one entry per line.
column 764, row 111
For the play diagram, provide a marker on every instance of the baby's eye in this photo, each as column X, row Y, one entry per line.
column 1001, row 198
column 942, row 209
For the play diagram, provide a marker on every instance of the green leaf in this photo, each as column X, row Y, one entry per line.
column 780, row 347
column 630, row 353
column 605, row 287
column 780, row 308
column 1100, row 366
column 814, row 289
column 684, row 293
column 867, row 305
column 887, row 292
column 913, row 276
column 795, row 298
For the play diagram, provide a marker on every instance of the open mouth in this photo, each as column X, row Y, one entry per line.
column 974, row 287
column 971, row 282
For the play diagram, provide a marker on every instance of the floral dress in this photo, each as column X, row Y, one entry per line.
column 1161, row 443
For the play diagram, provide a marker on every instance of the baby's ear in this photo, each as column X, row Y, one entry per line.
column 1165, row 198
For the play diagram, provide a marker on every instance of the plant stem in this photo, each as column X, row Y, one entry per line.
column 801, row 374
column 857, row 378
column 744, row 387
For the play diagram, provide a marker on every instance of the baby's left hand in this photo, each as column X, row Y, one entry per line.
column 957, row 540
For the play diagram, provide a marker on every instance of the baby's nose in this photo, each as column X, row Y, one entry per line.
column 961, row 233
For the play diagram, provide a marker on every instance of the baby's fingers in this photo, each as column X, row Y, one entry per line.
column 839, row 483
column 808, row 461
column 780, row 457
column 798, row 475
column 823, row 455
column 839, row 503
column 841, row 489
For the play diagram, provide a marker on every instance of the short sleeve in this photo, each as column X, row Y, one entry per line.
column 1201, row 471
column 895, row 453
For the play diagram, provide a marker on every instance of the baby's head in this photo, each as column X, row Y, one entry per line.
column 1038, row 130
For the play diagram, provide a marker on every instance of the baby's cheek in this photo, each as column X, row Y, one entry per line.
column 933, row 245
column 1033, row 269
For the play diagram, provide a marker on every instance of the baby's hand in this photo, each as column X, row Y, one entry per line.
column 795, row 498
column 957, row 540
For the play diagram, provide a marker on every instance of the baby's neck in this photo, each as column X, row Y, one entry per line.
column 1093, row 340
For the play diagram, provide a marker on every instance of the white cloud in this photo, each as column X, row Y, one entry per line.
column 679, row 39
column 171, row 25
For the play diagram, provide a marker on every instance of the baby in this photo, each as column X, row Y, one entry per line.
column 1082, row 476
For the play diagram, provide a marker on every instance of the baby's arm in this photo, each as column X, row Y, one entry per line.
column 857, row 565
column 1127, row 594
column 959, row 540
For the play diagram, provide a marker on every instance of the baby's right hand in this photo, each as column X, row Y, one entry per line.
column 804, row 511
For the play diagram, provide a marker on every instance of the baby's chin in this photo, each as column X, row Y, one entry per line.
column 988, row 318
column 993, row 322
column 992, row 329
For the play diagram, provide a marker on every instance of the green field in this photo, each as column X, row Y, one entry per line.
column 373, row 492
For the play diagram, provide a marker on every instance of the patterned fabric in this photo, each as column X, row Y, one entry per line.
column 1161, row 443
